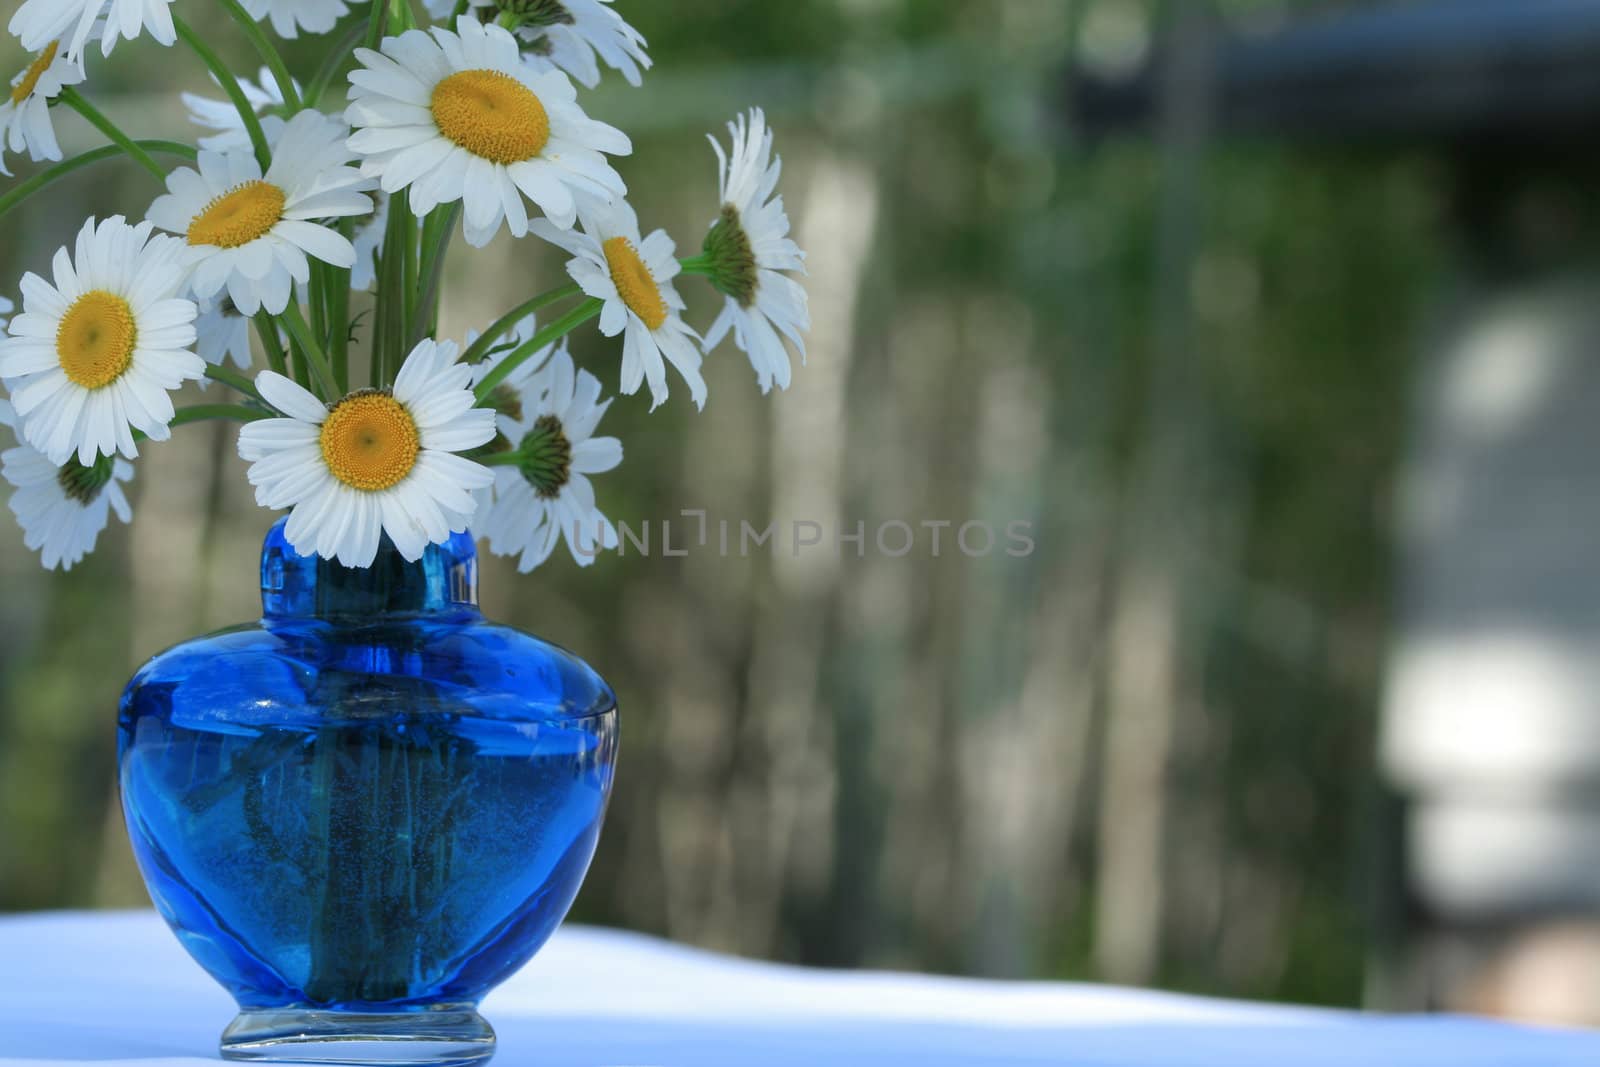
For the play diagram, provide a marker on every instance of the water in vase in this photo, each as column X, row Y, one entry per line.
column 410, row 858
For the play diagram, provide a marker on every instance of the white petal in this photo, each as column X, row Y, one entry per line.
column 290, row 398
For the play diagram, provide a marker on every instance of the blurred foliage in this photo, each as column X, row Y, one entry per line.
column 894, row 762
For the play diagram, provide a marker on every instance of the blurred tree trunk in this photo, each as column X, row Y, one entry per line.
column 1153, row 660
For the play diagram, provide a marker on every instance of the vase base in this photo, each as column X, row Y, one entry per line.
column 453, row 1036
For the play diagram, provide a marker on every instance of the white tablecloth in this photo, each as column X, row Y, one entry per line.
column 115, row 990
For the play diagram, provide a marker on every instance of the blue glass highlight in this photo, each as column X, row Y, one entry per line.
column 372, row 800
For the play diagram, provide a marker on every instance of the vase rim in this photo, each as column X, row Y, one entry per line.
column 443, row 581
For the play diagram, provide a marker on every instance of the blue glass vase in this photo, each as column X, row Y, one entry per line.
column 369, row 808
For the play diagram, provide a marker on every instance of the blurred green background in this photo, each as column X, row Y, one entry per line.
column 1145, row 753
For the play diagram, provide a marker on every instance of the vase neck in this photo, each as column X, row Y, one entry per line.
column 443, row 581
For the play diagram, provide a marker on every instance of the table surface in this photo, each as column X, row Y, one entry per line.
column 116, row 990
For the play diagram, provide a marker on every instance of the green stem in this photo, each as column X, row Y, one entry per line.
column 317, row 294
column 378, row 343
column 302, row 335
column 339, row 314
column 49, row 177
column 73, row 99
column 333, row 62
column 579, row 315
column 400, row 12
column 408, row 287
column 233, row 379
column 267, row 331
column 436, row 242
column 230, row 85
column 299, row 370
column 391, row 307
column 378, row 23
column 481, row 346
column 268, row 53
column 375, row 347
column 697, row 265
column 340, row 355
column 205, row 412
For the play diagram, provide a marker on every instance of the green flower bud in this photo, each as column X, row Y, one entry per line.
column 517, row 13
column 82, row 483
column 547, row 457
column 732, row 259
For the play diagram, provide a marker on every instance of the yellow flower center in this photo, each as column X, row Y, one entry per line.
column 96, row 339
column 634, row 282
column 491, row 115
column 30, row 79
column 370, row 441
column 238, row 216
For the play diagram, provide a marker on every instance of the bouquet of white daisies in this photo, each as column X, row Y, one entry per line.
column 269, row 234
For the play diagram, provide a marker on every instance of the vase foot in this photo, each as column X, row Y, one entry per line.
column 454, row 1036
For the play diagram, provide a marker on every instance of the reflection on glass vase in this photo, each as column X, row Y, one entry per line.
column 365, row 811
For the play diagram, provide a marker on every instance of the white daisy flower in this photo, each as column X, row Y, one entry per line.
column 548, row 496
column 368, row 241
column 25, row 124
column 290, row 16
column 748, row 247
column 62, row 509
column 634, row 279
column 583, row 31
column 95, row 355
column 38, row 22
column 223, row 335
column 570, row 35
column 459, row 116
column 374, row 463
column 253, row 233
column 220, row 115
